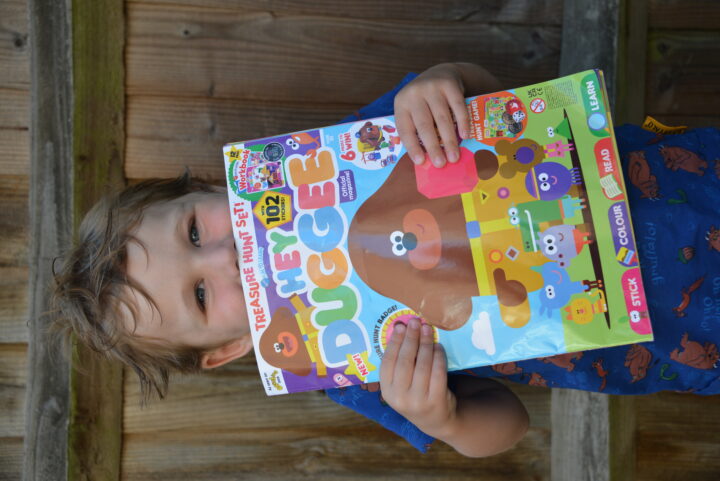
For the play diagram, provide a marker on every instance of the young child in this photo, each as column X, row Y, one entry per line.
column 154, row 283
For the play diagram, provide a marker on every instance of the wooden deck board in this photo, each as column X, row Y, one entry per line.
column 529, row 12
column 684, row 14
column 13, row 379
column 683, row 73
column 257, row 55
column 220, row 425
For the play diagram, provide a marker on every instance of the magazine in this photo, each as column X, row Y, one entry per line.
column 522, row 249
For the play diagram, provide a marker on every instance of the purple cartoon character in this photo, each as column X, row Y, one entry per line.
column 561, row 243
column 550, row 180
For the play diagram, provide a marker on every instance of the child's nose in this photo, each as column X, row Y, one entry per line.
column 222, row 257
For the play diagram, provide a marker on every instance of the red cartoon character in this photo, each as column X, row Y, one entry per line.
column 637, row 360
column 695, row 354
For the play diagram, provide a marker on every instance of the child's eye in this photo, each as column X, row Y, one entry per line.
column 194, row 234
column 200, row 295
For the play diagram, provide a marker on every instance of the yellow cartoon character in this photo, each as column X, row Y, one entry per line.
column 582, row 309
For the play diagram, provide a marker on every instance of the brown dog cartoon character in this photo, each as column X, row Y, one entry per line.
column 282, row 346
column 416, row 251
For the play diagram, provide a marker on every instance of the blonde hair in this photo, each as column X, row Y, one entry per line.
column 92, row 287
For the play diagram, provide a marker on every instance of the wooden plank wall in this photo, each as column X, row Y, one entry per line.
column 200, row 73
column 14, row 171
column 683, row 62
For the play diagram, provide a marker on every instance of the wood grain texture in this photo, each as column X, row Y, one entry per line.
column 14, row 258
column 683, row 72
column 584, row 48
column 631, row 68
column 678, row 437
column 14, row 159
column 13, row 378
column 98, row 34
column 13, row 305
column 11, row 459
column 220, row 425
column 15, row 111
column 165, row 134
column 14, row 48
column 366, row 452
column 531, row 12
column 256, row 55
column 684, row 14
column 14, row 155
column 50, row 228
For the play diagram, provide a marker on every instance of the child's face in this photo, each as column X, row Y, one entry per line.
column 189, row 268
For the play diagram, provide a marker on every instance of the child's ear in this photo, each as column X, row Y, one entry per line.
column 229, row 352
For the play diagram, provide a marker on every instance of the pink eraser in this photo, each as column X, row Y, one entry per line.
column 451, row 179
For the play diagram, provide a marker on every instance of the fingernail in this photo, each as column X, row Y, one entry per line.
column 413, row 324
column 438, row 161
column 453, row 156
column 399, row 327
column 418, row 159
column 426, row 330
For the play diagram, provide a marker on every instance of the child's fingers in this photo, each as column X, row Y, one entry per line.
column 424, row 362
column 425, row 125
column 408, row 135
column 445, row 126
column 460, row 112
column 438, row 376
column 405, row 365
column 389, row 360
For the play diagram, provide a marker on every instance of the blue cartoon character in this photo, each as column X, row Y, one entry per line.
column 561, row 243
column 529, row 215
column 559, row 288
column 551, row 180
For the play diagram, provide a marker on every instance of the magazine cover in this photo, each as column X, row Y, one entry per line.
column 522, row 249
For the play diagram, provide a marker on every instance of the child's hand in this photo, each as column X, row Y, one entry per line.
column 430, row 102
column 478, row 417
column 413, row 378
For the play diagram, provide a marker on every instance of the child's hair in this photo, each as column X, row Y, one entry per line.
column 92, row 287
